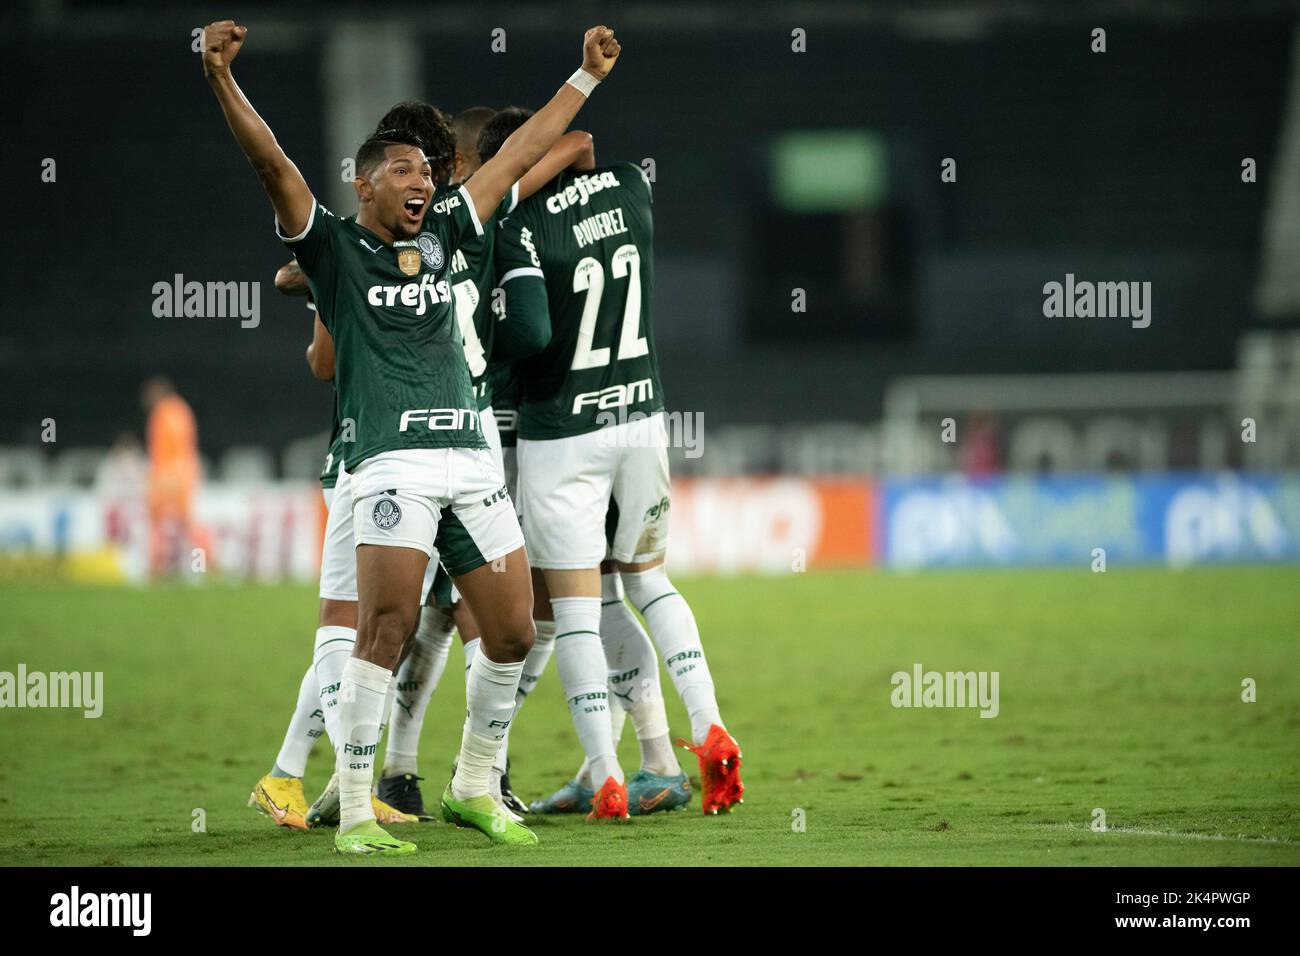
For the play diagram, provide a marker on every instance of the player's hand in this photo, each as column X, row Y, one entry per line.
column 222, row 41
column 599, row 51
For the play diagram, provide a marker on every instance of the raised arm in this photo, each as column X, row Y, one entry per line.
column 529, row 143
column 574, row 149
column 290, row 197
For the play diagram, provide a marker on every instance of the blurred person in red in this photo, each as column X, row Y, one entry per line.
column 174, row 475
column 981, row 452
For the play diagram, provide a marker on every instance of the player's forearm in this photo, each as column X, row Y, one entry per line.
column 320, row 354
column 250, row 130
column 526, row 327
column 280, row 178
column 586, row 155
column 523, row 149
column 572, row 150
column 528, row 144
column 291, row 280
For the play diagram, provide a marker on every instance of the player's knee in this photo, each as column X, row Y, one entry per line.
column 645, row 586
column 383, row 632
column 517, row 637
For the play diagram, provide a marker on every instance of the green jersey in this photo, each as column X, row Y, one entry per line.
column 472, row 276
column 592, row 235
column 329, row 475
column 399, row 364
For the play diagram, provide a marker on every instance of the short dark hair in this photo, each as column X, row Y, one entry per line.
column 498, row 129
column 411, row 123
column 467, row 125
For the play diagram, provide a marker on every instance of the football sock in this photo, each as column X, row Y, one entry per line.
column 361, row 705
column 416, row 680
column 471, row 650
column 490, row 700
column 534, row 665
column 305, row 726
column 634, row 677
column 333, row 651
column 672, row 625
column 617, row 717
column 580, row 660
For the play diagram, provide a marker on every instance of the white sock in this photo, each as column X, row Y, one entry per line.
column 305, row 727
column 333, row 651
column 361, row 706
column 672, row 625
column 617, row 717
column 490, row 701
column 534, row 665
column 471, row 650
column 634, row 677
column 580, row 659
column 416, row 680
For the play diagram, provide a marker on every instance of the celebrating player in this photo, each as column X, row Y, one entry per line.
column 593, row 464
column 420, row 467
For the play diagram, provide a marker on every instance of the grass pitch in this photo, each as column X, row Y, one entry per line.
column 1119, row 691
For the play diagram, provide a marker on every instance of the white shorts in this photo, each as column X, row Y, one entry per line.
column 338, row 558
column 448, row 502
column 601, row 494
column 510, row 464
column 487, row 421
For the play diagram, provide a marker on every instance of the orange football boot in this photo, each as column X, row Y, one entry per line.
column 610, row 801
column 720, row 785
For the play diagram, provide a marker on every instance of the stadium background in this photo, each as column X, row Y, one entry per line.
column 825, row 439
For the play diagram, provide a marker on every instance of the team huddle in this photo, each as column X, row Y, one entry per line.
column 485, row 318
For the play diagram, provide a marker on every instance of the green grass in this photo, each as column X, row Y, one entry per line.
column 1119, row 690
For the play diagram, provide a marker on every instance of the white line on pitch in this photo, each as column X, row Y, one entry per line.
column 1174, row 835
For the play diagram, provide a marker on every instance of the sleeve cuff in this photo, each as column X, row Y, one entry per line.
column 473, row 215
column 520, row 273
column 311, row 218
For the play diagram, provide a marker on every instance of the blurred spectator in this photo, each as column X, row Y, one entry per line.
column 174, row 475
column 981, row 452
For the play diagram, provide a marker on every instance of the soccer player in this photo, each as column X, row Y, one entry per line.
column 279, row 793
column 593, row 463
column 630, row 657
column 474, row 278
column 419, row 456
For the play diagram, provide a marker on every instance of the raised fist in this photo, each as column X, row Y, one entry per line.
column 599, row 51
column 222, row 41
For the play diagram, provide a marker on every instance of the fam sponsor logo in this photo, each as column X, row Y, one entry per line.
column 440, row 419
column 580, row 191
column 614, row 396
column 179, row 299
column 74, row 908
column 923, row 688
column 57, row 689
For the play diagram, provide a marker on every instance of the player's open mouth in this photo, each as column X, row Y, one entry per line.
column 414, row 208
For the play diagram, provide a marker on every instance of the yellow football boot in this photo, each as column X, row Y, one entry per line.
column 281, row 799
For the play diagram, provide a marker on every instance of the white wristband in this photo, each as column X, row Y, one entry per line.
column 582, row 81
